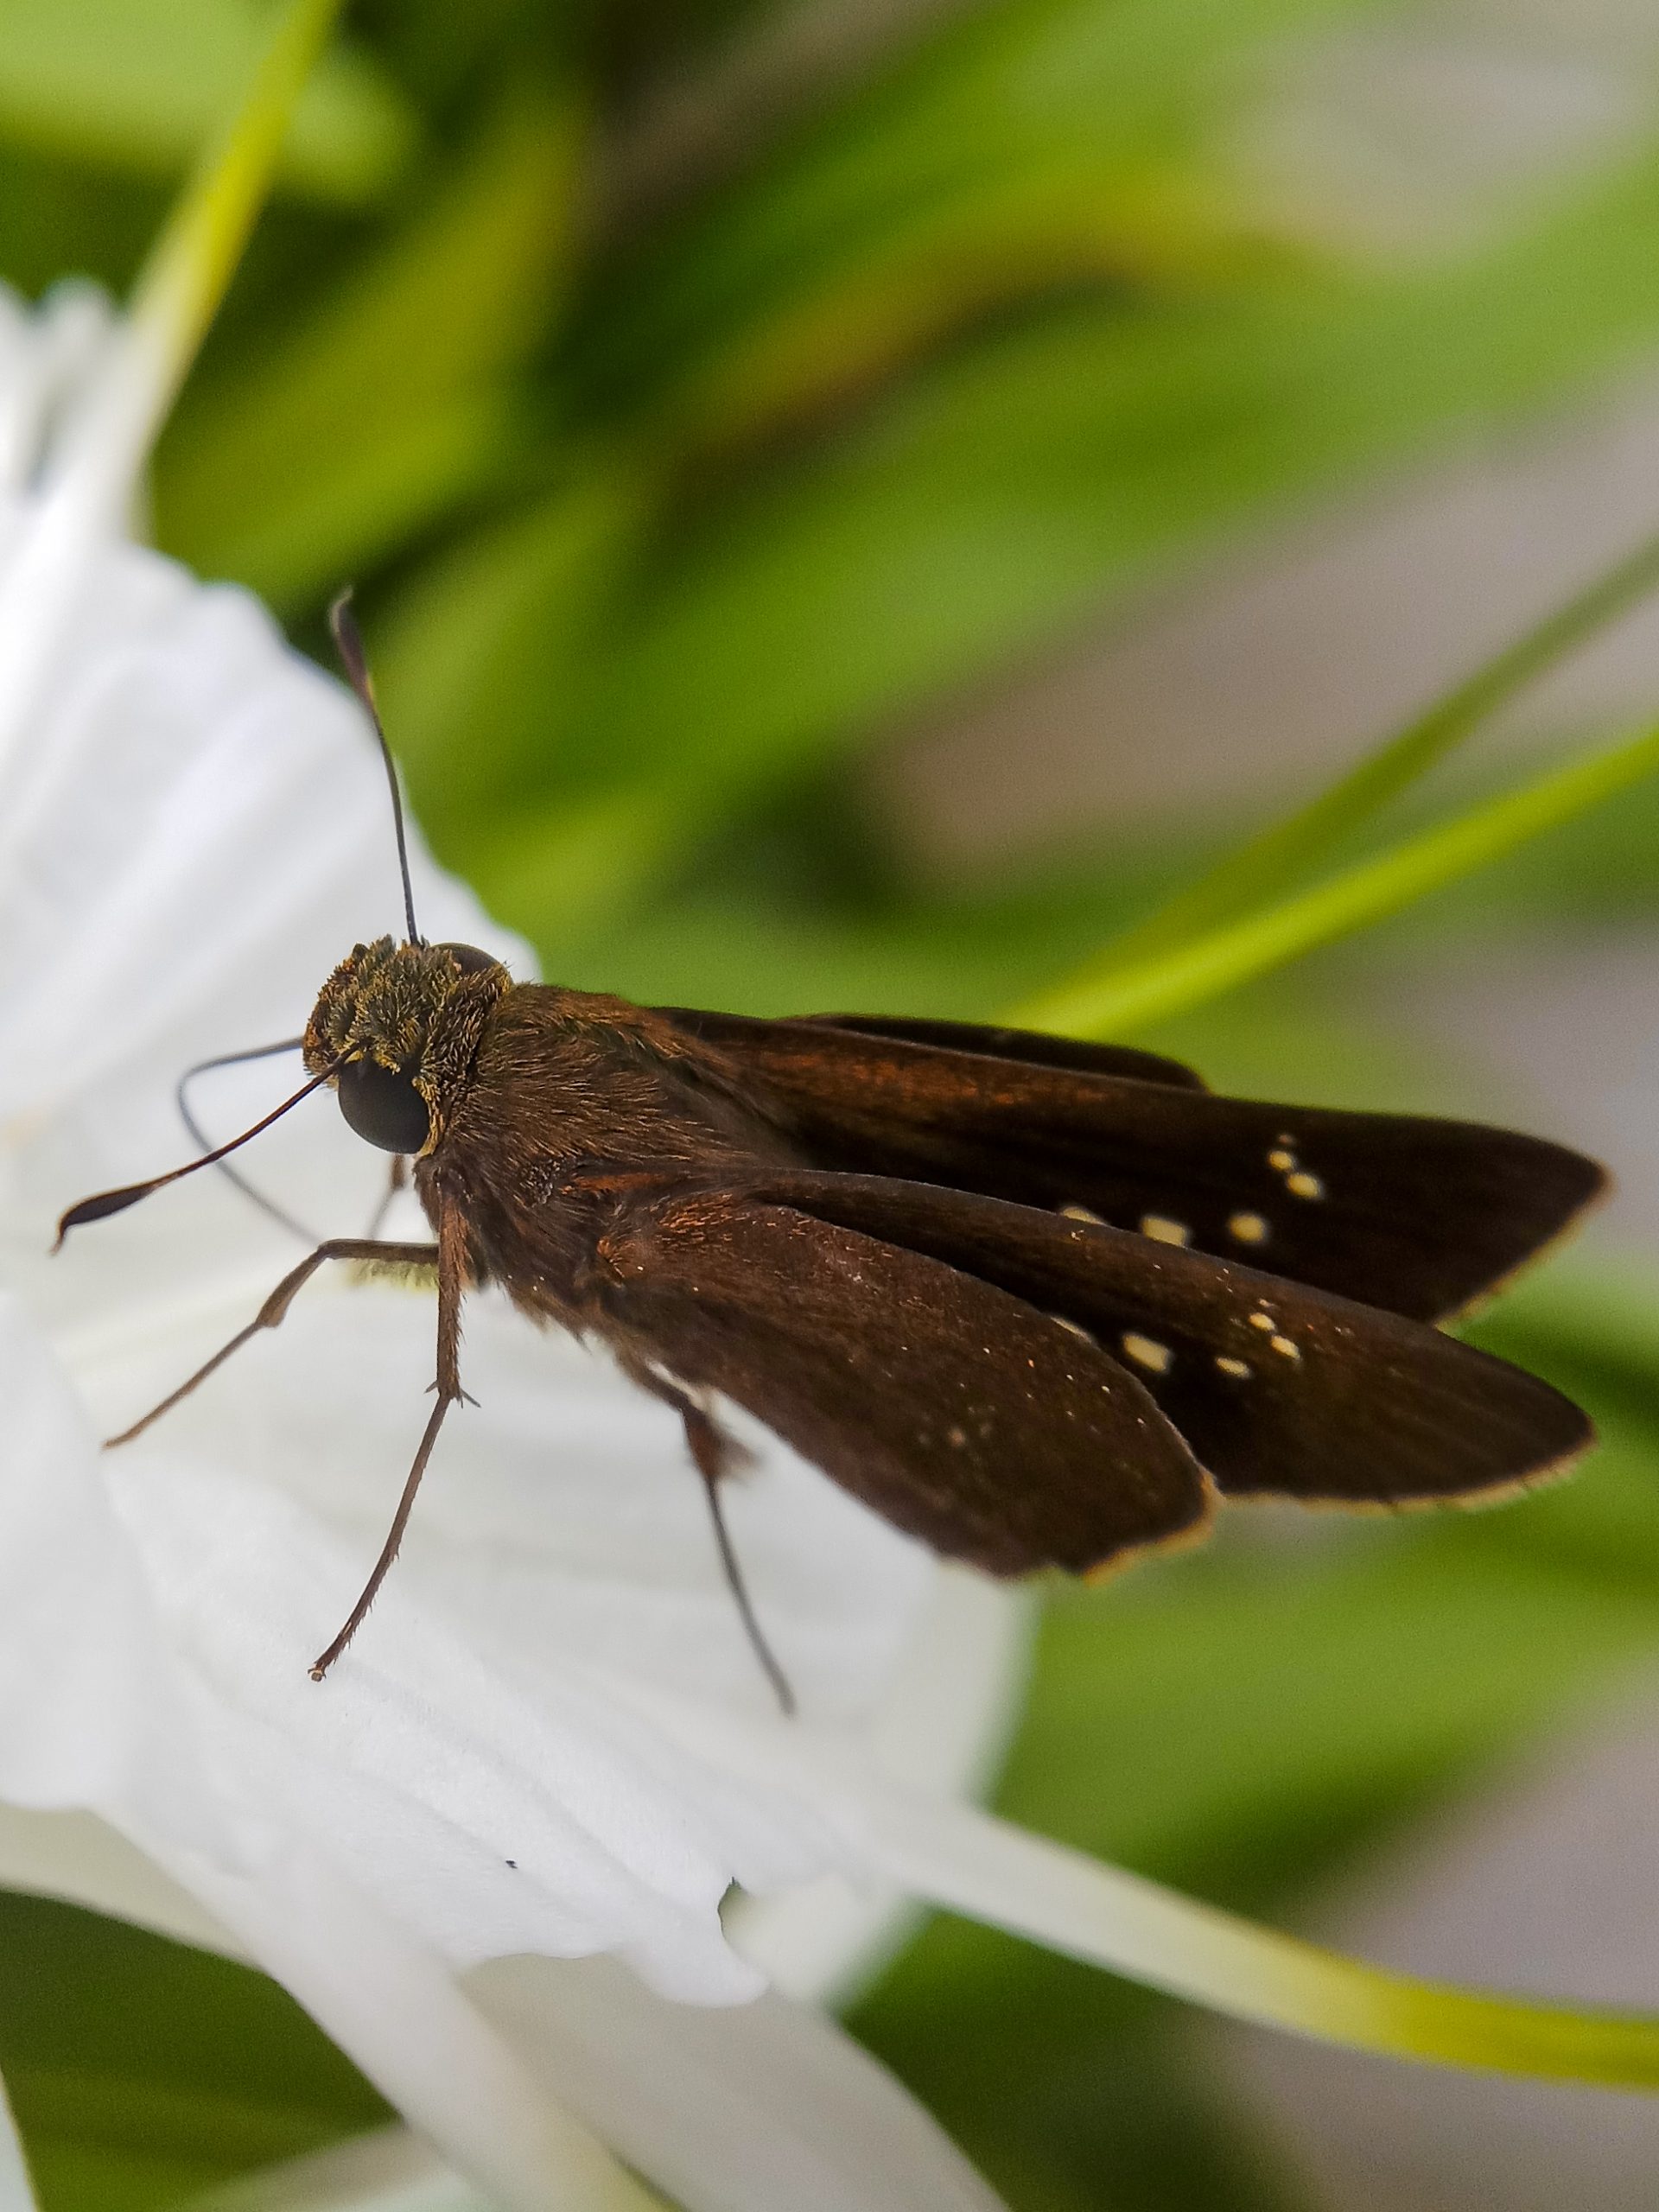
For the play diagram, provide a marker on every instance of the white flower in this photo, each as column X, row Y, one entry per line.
column 193, row 828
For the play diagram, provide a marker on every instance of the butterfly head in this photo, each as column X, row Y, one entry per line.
column 394, row 1029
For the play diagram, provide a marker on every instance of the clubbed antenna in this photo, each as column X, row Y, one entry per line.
column 349, row 640
column 108, row 1202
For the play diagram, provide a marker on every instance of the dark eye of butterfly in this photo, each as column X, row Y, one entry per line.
column 469, row 958
column 382, row 1105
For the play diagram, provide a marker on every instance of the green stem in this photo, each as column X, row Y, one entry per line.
column 971, row 1863
column 190, row 266
column 1109, row 997
column 1268, row 863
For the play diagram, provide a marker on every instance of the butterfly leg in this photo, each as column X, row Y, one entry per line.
column 396, row 1182
column 275, row 1310
column 450, row 1253
column 714, row 1454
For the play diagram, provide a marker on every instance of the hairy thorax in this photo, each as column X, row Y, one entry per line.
column 578, row 1106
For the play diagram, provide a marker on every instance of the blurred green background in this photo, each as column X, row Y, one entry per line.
column 727, row 411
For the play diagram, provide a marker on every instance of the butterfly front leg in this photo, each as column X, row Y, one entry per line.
column 451, row 1252
column 369, row 1250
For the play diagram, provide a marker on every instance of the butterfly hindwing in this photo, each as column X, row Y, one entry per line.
column 1414, row 1214
column 962, row 1415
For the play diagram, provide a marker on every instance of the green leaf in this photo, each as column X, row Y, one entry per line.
column 976, row 511
column 142, row 82
column 1110, row 995
column 1019, row 147
column 142, row 2070
column 468, row 655
column 396, row 397
column 1071, row 2091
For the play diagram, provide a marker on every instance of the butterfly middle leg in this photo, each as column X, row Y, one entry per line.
column 450, row 1253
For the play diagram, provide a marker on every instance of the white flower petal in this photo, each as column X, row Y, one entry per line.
column 747, row 2109
column 86, row 1684
column 92, row 1710
column 388, row 2170
column 81, row 1859
column 47, row 353
column 396, row 2011
column 198, row 831
column 477, row 1747
column 475, row 1757
column 561, row 1519
column 955, row 1856
column 944, row 1725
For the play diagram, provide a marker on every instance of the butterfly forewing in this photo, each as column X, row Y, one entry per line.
column 1036, row 1048
column 962, row 1415
column 1416, row 1215
column 1276, row 1388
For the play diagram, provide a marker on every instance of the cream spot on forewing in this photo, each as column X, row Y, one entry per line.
column 1083, row 1213
column 1160, row 1227
column 1146, row 1351
column 1284, row 1345
column 1304, row 1186
column 1231, row 1366
column 1248, row 1228
column 1281, row 1160
column 1261, row 1321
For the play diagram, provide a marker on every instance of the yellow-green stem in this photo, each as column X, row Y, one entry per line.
column 1109, row 997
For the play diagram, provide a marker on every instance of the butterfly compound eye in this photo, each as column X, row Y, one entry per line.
column 383, row 1106
column 470, row 958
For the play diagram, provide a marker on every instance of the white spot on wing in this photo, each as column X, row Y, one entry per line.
column 1231, row 1366
column 1248, row 1228
column 1304, row 1186
column 1084, row 1213
column 1164, row 1229
column 1148, row 1352
column 1261, row 1321
column 1284, row 1345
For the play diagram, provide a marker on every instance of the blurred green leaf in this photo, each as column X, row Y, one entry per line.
column 488, row 632
column 141, row 83
column 394, row 399
column 1233, row 1730
column 1116, row 993
column 142, row 2070
column 1018, row 148
column 1071, row 2091
column 990, row 503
